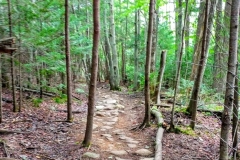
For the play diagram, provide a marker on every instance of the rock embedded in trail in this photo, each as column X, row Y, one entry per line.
column 132, row 145
column 147, row 159
column 119, row 153
column 99, row 108
column 117, row 158
column 91, row 155
column 143, row 152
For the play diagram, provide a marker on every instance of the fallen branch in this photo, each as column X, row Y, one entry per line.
column 165, row 105
column 3, row 131
column 5, row 158
column 37, row 91
column 158, row 147
column 62, row 110
column 217, row 113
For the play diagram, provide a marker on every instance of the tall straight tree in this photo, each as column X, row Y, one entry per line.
column 179, row 65
column 112, row 37
column 94, row 70
column 202, row 59
column 12, row 58
column 136, row 48
column 146, row 121
column 68, row 64
column 229, row 94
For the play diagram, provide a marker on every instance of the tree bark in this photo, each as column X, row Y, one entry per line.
column 218, row 73
column 235, row 118
column 198, row 40
column 229, row 94
column 146, row 121
column 136, row 48
column 179, row 64
column 94, row 70
column 160, row 76
column 192, row 107
column 115, row 80
column 15, row 109
column 68, row 64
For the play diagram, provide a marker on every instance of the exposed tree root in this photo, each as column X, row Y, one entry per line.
column 76, row 112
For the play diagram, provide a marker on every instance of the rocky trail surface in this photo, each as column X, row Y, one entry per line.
column 44, row 134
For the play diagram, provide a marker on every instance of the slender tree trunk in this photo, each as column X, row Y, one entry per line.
column 218, row 75
column 160, row 76
column 107, row 47
column 229, row 94
column 93, row 81
column 154, row 41
column 179, row 25
column 1, row 114
column 178, row 68
column 198, row 40
column 15, row 109
column 235, row 118
column 136, row 48
column 197, row 83
column 192, row 107
column 146, row 121
column 115, row 80
column 68, row 64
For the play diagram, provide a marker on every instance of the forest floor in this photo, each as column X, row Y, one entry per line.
column 42, row 133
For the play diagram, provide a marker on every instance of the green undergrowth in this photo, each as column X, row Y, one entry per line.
column 61, row 99
column 185, row 130
column 182, row 110
column 37, row 102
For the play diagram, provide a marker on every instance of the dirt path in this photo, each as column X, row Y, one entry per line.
column 49, row 137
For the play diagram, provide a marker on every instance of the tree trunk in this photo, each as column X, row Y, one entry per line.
column 154, row 41
column 179, row 25
column 136, row 48
column 15, row 109
column 146, row 121
column 160, row 76
column 94, row 70
column 198, row 41
column 115, row 80
column 229, row 94
column 235, row 118
column 178, row 68
column 68, row 64
column 192, row 107
column 1, row 114
column 218, row 73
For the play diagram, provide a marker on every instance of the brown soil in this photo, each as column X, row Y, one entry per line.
column 52, row 138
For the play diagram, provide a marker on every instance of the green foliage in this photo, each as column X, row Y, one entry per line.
column 37, row 102
column 61, row 99
column 185, row 130
column 182, row 110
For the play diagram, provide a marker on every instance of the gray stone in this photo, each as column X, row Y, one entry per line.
column 99, row 107
column 131, row 141
column 106, row 135
column 91, row 155
column 132, row 145
column 111, row 101
column 110, row 138
column 119, row 153
column 119, row 106
column 143, row 152
column 117, row 158
column 147, row 159
column 109, row 123
column 106, row 127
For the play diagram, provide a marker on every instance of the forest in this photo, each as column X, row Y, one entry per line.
column 119, row 79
